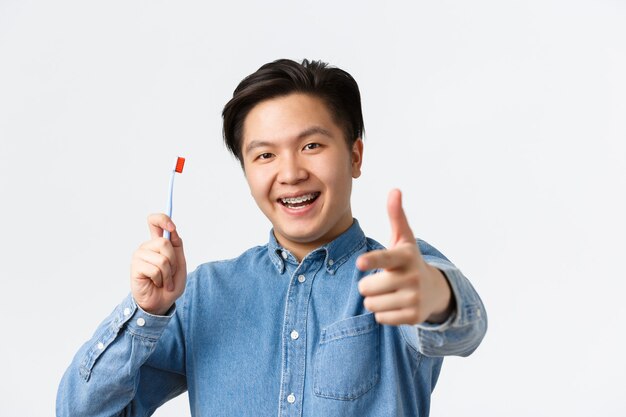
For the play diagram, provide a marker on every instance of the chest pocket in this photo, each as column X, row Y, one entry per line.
column 347, row 362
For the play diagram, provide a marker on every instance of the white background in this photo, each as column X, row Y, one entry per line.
column 504, row 123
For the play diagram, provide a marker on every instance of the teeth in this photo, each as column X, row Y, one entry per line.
column 300, row 199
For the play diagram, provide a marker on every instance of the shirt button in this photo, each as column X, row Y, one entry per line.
column 291, row 398
column 100, row 345
column 294, row 335
column 331, row 262
column 284, row 254
column 301, row 278
column 141, row 322
column 127, row 312
column 478, row 312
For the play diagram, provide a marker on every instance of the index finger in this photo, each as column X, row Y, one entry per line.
column 395, row 258
column 158, row 222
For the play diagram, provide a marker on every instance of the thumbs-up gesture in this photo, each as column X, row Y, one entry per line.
column 407, row 290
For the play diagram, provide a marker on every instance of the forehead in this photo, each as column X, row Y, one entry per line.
column 287, row 117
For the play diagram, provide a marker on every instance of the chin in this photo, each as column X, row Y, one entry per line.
column 301, row 236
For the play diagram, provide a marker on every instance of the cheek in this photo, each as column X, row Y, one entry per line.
column 337, row 174
column 259, row 185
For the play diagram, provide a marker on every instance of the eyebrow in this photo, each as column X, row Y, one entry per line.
column 314, row 130
column 304, row 134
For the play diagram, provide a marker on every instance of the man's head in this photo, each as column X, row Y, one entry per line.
column 296, row 130
column 335, row 87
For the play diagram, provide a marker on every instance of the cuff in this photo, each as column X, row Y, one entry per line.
column 127, row 316
column 467, row 310
column 141, row 323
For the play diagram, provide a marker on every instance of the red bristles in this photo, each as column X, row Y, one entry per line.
column 180, row 162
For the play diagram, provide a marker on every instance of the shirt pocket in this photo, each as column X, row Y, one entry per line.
column 347, row 362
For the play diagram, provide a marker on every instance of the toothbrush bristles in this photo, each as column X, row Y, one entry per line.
column 180, row 162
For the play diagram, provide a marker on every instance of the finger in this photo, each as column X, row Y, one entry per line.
column 381, row 283
column 172, row 248
column 398, row 317
column 175, row 239
column 160, row 261
column 158, row 222
column 400, row 229
column 394, row 258
column 146, row 270
column 391, row 301
column 162, row 246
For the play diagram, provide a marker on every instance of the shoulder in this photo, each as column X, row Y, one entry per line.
column 372, row 244
column 224, row 276
column 208, row 273
column 429, row 250
column 425, row 248
column 247, row 259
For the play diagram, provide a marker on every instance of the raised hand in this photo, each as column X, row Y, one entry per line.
column 158, row 268
column 407, row 290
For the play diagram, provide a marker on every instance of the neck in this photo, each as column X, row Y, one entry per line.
column 301, row 249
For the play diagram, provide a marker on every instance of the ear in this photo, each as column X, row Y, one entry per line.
column 357, row 157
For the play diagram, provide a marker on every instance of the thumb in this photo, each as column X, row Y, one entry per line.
column 400, row 229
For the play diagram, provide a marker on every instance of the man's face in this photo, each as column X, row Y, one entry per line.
column 300, row 170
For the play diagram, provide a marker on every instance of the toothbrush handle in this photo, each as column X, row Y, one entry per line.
column 166, row 233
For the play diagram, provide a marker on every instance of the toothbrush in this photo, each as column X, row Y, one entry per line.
column 178, row 167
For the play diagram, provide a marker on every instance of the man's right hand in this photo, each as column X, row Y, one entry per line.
column 158, row 269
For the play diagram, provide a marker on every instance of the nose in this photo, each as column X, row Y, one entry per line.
column 291, row 170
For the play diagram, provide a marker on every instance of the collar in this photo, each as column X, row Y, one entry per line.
column 335, row 253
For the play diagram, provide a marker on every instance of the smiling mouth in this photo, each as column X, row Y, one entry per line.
column 300, row 201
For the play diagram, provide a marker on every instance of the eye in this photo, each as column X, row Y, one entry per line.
column 264, row 156
column 311, row 146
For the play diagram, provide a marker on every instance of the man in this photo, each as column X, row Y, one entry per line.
column 320, row 321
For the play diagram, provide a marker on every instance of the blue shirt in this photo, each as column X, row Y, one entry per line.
column 264, row 335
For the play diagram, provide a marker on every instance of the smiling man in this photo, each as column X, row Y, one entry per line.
column 300, row 170
column 320, row 321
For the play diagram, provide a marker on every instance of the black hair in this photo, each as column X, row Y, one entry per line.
column 334, row 86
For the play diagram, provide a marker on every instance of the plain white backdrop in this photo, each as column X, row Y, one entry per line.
column 504, row 123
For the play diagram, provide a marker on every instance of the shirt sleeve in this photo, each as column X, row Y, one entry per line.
column 133, row 363
column 463, row 331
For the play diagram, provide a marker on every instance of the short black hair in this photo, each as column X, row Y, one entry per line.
column 334, row 86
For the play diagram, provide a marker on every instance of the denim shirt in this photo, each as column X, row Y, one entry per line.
column 264, row 335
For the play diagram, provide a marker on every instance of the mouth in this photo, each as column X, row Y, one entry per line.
column 299, row 202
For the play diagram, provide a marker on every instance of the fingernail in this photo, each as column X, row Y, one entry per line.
column 170, row 226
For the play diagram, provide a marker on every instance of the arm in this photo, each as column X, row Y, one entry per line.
column 135, row 360
column 417, row 285
column 464, row 329
column 133, row 363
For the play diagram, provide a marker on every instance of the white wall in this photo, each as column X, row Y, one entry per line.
column 503, row 122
